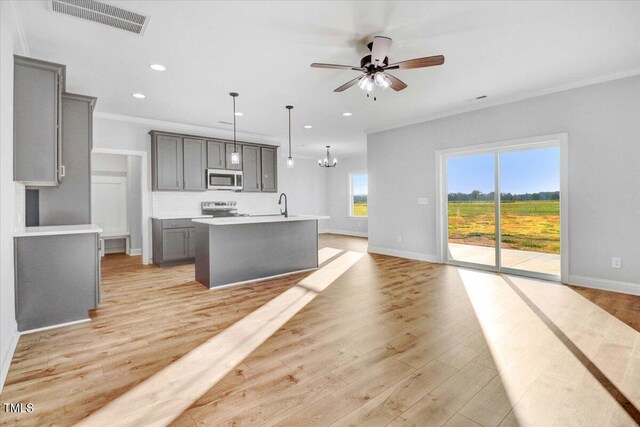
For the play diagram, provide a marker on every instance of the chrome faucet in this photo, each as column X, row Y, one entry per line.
column 286, row 210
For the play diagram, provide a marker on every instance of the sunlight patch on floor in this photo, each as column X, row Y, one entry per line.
column 164, row 396
column 554, row 351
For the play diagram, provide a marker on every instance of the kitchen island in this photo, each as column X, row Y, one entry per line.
column 236, row 250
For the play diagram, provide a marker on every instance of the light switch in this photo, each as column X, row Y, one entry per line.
column 423, row 201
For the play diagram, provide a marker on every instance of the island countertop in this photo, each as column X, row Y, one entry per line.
column 53, row 230
column 238, row 220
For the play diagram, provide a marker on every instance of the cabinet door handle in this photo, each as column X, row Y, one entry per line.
column 62, row 171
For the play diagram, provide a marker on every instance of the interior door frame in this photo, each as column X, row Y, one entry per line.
column 442, row 233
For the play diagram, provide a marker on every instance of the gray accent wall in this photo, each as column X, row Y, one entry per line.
column 603, row 126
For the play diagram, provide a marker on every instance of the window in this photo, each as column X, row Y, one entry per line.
column 358, row 195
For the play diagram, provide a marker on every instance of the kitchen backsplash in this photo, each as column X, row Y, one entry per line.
column 188, row 203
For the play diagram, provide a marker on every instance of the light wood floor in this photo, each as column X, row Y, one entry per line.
column 391, row 342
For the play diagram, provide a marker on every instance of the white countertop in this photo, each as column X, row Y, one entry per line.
column 53, row 230
column 182, row 217
column 258, row 219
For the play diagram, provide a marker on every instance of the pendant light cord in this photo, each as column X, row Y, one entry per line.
column 289, row 132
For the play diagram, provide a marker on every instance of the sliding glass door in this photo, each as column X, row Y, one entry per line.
column 471, row 209
column 503, row 210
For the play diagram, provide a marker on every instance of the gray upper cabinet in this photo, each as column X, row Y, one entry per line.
column 179, row 162
column 228, row 163
column 195, row 164
column 38, row 87
column 70, row 202
column 269, row 169
column 166, row 152
column 215, row 154
column 251, row 168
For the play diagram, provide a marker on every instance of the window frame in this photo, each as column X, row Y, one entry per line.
column 351, row 175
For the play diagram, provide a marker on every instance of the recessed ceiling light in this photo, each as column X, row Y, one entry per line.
column 238, row 113
column 308, row 126
column 481, row 97
column 346, row 114
column 138, row 95
column 157, row 67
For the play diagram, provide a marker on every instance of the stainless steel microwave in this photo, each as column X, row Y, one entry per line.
column 221, row 179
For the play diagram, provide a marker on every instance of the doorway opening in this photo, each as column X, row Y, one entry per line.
column 503, row 207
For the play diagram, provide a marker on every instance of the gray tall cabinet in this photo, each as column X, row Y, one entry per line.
column 70, row 202
column 38, row 87
column 57, row 270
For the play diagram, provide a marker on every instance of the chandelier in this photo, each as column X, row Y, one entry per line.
column 328, row 161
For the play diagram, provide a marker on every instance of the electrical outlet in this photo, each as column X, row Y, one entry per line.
column 399, row 238
column 616, row 262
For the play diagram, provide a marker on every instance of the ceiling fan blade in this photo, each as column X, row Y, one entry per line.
column 348, row 84
column 336, row 67
column 428, row 61
column 379, row 49
column 396, row 83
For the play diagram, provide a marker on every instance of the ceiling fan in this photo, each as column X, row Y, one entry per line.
column 376, row 65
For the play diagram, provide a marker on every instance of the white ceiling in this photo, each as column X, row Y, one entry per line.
column 505, row 50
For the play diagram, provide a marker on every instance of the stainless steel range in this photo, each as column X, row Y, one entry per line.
column 220, row 209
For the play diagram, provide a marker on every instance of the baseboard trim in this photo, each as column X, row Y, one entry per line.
column 59, row 325
column 134, row 252
column 403, row 254
column 344, row 232
column 6, row 361
column 605, row 284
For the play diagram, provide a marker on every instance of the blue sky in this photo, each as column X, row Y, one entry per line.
column 360, row 185
column 526, row 171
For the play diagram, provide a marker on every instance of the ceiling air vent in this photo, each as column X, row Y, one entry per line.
column 102, row 13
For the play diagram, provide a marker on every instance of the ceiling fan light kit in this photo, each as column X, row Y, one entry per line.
column 376, row 66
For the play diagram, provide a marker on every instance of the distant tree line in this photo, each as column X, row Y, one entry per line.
column 479, row 196
column 360, row 199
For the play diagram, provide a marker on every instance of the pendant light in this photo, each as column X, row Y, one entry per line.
column 235, row 156
column 289, row 159
column 328, row 161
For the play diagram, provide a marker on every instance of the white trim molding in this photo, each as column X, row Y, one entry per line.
column 6, row 362
column 344, row 232
column 605, row 284
column 403, row 254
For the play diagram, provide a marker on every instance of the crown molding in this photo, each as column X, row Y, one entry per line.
column 184, row 127
column 511, row 99
column 19, row 28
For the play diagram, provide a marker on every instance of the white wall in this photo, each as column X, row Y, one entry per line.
column 134, row 203
column 603, row 126
column 338, row 187
column 9, row 44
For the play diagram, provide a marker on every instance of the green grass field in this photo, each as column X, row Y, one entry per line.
column 360, row 209
column 527, row 225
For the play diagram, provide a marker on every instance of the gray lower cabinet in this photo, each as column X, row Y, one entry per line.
column 38, row 87
column 194, row 164
column 251, row 171
column 216, row 154
column 228, row 164
column 70, row 202
column 173, row 241
column 268, row 162
column 57, row 279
